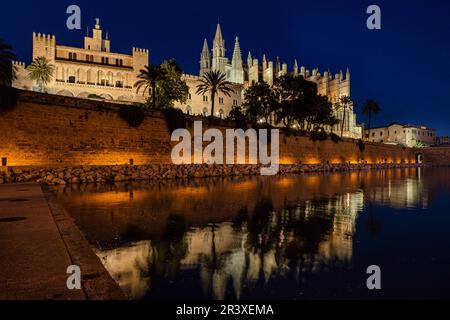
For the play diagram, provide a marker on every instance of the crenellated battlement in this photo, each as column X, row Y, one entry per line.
column 44, row 37
column 19, row 64
column 140, row 50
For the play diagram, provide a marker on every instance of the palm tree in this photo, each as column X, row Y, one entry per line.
column 214, row 82
column 371, row 106
column 344, row 103
column 6, row 70
column 41, row 71
column 149, row 78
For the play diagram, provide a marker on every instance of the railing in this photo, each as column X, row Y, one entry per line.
column 83, row 84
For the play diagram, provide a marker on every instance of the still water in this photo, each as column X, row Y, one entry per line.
column 285, row 237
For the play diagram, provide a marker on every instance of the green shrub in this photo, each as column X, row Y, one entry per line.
column 133, row 115
column 175, row 119
column 323, row 135
column 318, row 135
column 314, row 136
column 361, row 145
column 8, row 98
column 335, row 138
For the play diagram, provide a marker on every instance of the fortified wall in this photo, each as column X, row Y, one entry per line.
column 51, row 130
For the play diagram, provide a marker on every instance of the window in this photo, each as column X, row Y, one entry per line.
column 373, row 134
column 119, row 62
column 220, row 100
column 88, row 58
column 235, row 102
column 119, row 84
column 105, row 60
column 71, row 79
column 205, row 112
column 381, row 133
column 189, row 96
column 205, row 98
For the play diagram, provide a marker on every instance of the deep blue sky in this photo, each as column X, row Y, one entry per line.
column 405, row 66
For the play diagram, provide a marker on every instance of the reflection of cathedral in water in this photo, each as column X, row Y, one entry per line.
column 238, row 237
column 235, row 256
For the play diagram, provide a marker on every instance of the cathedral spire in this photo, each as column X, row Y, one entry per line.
column 237, row 57
column 278, row 66
column 237, row 69
column 249, row 59
column 295, row 67
column 205, row 59
column 219, row 60
column 218, row 37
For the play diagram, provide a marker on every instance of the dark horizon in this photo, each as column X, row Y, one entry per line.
column 404, row 66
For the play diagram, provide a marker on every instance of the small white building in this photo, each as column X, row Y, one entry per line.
column 402, row 134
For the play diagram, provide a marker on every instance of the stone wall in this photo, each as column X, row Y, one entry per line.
column 48, row 130
column 437, row 155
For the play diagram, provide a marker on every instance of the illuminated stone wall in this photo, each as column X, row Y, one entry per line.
column 49, row 130
column 437, row 155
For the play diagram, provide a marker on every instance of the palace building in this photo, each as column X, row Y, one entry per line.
column 88, row 72
column 97, row 73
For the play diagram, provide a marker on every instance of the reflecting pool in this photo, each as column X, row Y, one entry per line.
column 285, row 237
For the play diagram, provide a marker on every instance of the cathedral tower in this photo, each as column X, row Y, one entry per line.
column 237, row 69
column 205, row 59
column 219, row 61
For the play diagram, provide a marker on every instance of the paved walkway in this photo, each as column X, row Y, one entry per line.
column 38, row 241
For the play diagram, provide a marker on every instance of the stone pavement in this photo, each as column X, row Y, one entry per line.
column 38, row 241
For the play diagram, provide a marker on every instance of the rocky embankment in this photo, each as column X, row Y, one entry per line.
column 104, row 174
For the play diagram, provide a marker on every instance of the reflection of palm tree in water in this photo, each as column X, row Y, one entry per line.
column 170, row 249
column 373, row 224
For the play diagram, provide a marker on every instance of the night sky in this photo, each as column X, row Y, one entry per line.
column 405, row 66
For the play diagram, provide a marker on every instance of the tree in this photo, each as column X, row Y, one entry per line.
column 214, row 82
column 344, row 103
column 260, row 101
column 41, row 71
column 237, row 115
column 322, row 114
column 7, row 73
column 171, row 88
column 149, row 78
column 369, row 108
column 297, row 98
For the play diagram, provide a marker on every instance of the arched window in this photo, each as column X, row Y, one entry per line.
column 205, row 112
column 221, row 114
column 188, row 110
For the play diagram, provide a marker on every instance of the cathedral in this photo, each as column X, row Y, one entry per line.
column 237, row 72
